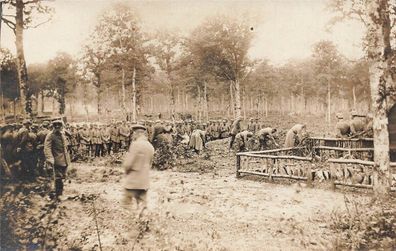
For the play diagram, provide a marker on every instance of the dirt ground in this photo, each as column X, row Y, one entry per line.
column 204, row 210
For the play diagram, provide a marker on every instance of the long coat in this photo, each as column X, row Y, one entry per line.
column 137, row 164
column 55, row 149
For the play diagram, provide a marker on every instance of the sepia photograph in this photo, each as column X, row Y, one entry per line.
column 221, row 125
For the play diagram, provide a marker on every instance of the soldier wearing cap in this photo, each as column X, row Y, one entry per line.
column 115, row 137
column 295, row 135
column 251, row 127
column 235, row 129
column 125, row 133
column 266, row 135
column 343, row 128
column 224, row 129
column 137, row 164
column 85, row 141
column 26, row 141
column 56, row 154
column 241, row 140
column 96, row 141
column 105, row 134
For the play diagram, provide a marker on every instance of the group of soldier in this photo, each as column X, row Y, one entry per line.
column 22, row 144
column 357, row 126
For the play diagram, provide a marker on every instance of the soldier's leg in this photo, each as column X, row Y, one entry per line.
column 232, row 139
column 141, row 200
column 127, row 198
column 60, row 175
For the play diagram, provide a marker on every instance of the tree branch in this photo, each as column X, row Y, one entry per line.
column 9, row 23
column 37, row 25
column 32, row 1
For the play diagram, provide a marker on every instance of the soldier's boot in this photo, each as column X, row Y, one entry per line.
column 58, row 187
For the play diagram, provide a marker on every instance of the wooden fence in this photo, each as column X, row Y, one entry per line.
column 351, row 167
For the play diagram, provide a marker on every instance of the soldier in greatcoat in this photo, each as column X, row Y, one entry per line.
column 137, row 164
column 26, row 146
column 56, row 155
column 294, row 135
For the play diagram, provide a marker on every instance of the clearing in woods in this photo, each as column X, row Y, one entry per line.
column 197, row 211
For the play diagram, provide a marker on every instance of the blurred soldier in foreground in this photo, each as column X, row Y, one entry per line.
column 343, row 129
column 295, row 135
column 137, row 165
column 56, row 155
column 266, row 135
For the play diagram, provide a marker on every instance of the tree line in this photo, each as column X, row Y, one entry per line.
column 209, row 69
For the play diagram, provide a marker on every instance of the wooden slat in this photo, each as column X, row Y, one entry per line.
column 353, row 185
column 344, row 149
column 352, row 161
column 273, row 175
column 273, row 150
column 274, row 156
column 342, row 139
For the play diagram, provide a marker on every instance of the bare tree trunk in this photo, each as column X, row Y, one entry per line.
column 266, row 107
column 123, row 94
column 354, row 97
column 134, row 95
column 380, row 63
column 21, row 63
column 328, row 103
column 199, row 104
column 42, row 101
column 232, row 104
column 237, row 99
column 206, row 108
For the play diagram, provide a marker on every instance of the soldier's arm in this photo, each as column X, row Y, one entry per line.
column 48, row 149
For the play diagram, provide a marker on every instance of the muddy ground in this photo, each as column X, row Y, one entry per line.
column 199, row 205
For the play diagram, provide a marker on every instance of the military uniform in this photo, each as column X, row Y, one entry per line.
column 26, row 148
column 293, row 136
column 343, row 128
column 235, row 129
column 124, row 136
column 42, row 133
column 115, row 138
column 85, row 140
column 56, row 154
column 241, row 140
column 265, row 135
column 105, row 134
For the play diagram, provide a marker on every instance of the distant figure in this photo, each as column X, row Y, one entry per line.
column 241, row 140
column 343, row 129
column 56, row 154
column 197, row 140
column 368, row 132
column 251, row 126
column 357, row 125
column 294, row 135
column 27, row 141
column 235, row 129
column 265, row 136
column 137, row 165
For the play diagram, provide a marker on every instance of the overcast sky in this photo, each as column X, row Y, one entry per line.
column 284, row 29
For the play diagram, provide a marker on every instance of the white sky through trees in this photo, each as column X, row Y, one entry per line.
column 284, row 29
